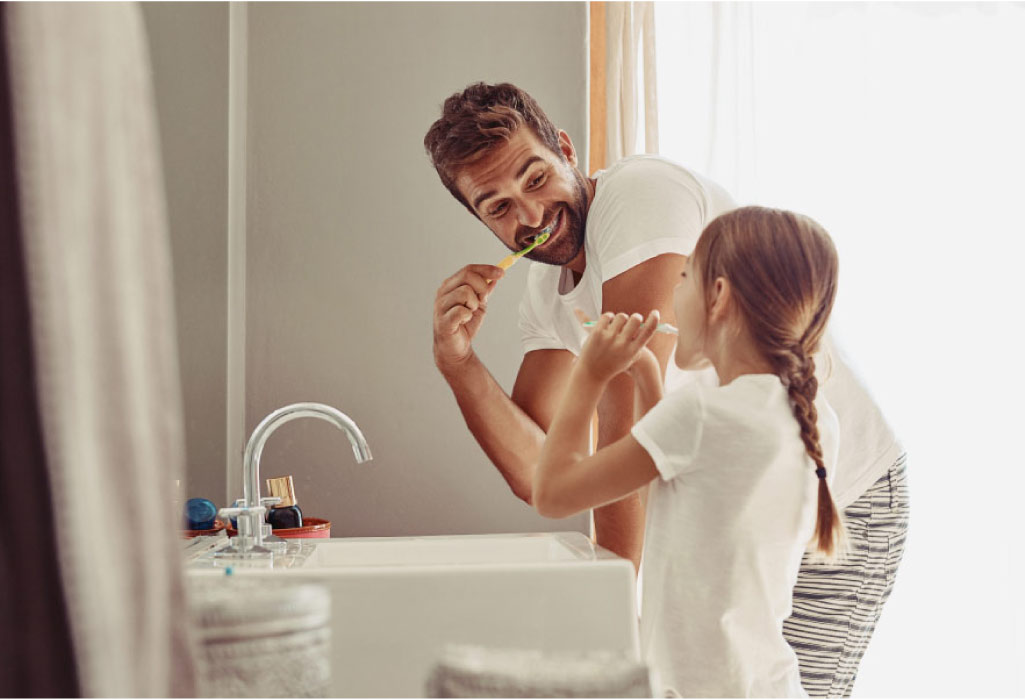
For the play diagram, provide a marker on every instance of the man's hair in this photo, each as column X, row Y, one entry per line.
column 478, row 119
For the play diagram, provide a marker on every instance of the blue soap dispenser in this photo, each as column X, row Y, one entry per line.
column 285, row 514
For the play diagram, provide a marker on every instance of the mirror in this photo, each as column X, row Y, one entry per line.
column 309, row 233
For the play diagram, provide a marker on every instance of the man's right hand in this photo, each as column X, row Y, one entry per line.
column 459, row 308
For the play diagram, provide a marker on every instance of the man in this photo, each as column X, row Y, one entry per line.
column 618, row 243
column 515, row 172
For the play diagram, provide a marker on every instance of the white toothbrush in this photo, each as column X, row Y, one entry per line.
column 667, row 328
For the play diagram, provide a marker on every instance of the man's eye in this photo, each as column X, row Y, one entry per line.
column 497, row 211
column 537, row 180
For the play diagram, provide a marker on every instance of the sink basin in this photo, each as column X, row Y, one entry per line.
column 451, row 551
column 397, row 601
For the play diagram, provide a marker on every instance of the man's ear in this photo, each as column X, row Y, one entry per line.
column 566, row 146
column 719, row 299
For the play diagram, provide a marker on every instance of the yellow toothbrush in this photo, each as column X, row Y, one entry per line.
column 508, row 260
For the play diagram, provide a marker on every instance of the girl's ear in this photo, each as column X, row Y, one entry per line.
column 719, row 300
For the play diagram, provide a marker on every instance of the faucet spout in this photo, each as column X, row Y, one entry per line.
column 254, row 448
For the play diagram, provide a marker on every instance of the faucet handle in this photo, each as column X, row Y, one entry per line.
column 248, row 519
column 235, row 510
column 240, row 503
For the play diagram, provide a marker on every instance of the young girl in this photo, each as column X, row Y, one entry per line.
column 738, row 472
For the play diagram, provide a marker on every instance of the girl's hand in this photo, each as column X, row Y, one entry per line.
column 644, row 364
column 647, row 376
column 615, row 343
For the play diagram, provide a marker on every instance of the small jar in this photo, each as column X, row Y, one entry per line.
column 286, row 514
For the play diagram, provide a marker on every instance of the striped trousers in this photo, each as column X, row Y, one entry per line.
column 836, row 606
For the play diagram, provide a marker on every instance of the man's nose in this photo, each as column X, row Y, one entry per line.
column 530, row 214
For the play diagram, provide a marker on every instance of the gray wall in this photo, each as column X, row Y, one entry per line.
column 349, row 233
column 189, row 53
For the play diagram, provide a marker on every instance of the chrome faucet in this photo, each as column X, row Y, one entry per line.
column 252, row 507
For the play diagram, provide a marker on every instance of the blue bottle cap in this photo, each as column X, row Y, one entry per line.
column 200, row 513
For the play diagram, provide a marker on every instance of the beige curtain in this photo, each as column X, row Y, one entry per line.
column 98, row 266
column 631, row 101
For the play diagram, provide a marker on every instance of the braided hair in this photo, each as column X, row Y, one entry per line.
column 782, row 268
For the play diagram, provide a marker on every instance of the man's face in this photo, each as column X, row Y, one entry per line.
column 521, row 187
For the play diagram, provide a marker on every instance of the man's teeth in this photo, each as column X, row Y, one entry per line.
column 549, row 228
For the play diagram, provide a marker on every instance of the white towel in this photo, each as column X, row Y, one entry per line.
column 477, row 672
column 262, row 638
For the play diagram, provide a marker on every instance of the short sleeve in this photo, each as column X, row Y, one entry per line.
column 535, row 335
column 671, row 432
column 648, row 207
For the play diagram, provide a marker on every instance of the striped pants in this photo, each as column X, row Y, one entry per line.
column 836, row 606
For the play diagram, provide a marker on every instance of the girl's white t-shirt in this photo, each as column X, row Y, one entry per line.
column 727, row 525
column 645, row 206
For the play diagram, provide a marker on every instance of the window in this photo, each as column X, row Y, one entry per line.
column 901, row 128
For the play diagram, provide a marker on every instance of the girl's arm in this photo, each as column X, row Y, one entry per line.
column 567, row 480
column 647, row 378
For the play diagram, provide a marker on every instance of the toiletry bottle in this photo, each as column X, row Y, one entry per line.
column 200, row 514
column 285, row 514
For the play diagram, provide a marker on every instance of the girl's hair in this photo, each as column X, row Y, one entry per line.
column 782, row 268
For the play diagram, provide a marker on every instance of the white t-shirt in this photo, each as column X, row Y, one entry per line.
column 645, row 206
column 870, row 446
column 727, row 525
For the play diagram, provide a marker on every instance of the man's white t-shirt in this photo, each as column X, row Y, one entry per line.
column 727, row 525
column 645, row 206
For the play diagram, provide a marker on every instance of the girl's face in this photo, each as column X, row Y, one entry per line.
column 689, row 305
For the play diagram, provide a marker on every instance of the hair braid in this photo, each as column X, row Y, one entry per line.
column 798, row 374
column 783, row 269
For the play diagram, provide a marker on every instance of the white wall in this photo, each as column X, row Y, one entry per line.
column 349, row 233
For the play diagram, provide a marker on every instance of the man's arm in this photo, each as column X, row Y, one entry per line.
column 648, row 380
column 511, row 431
column 619, row 526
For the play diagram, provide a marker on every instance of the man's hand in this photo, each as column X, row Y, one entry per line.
column 459, row 308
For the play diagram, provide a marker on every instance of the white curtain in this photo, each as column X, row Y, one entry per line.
column 899, row 127
column 707, row 72
column 631, row 81
column 99, row 276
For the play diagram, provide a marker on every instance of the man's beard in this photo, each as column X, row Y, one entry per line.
column 566, row 246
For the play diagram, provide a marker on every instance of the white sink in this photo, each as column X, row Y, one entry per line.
column 470, row 550
column 396, row 601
